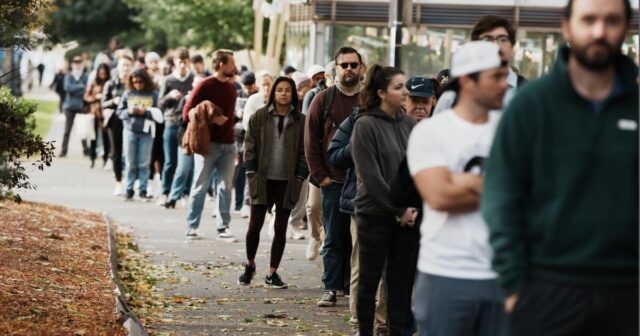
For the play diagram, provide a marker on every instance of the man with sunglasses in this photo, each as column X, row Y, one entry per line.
column 498, row 30
column 327, row 111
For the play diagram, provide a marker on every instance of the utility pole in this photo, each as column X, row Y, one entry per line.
column 400, row 15
column 257, row 34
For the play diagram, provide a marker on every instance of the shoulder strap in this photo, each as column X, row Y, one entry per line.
column 326, row 104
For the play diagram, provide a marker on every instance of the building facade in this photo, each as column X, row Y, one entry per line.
column 317, row 28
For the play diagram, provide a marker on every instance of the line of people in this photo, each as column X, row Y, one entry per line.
column 473, row 203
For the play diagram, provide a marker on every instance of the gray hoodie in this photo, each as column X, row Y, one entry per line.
column 378, row 145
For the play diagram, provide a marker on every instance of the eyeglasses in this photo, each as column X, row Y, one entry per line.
column 353, row 65
column 134, row 82
column 501, row 39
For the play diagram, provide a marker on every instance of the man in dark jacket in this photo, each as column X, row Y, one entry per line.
column 75, row 83
column 561, row 190
column 173, row 89
column 320, row 128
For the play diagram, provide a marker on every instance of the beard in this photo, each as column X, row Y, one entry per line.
column 229, row 74
column 596, row 60
column 350, row 81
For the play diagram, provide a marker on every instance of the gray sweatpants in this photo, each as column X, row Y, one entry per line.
column 458, row 307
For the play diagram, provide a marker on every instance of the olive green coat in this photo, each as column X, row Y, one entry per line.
column 256, row 155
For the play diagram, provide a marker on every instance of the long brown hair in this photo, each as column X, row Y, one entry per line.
column 149, row 86
column 377, row 78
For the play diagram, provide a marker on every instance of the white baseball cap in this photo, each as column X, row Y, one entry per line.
column 314, row 69
column 475, row 56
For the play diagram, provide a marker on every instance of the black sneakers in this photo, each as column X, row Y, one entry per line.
column 144, row 197
column 328, row 299
column 249, row 272
column 129, row 195
column 274, row 281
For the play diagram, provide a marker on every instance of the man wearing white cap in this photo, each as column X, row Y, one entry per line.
column 316, row 73
column 456, row 291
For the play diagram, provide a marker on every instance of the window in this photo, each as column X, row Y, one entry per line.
column 371, row 42
column 535, row 52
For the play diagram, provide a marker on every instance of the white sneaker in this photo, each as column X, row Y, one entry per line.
column 245, row 211
column 297, row 234
column 313, row 249
column 192, row 234
column 108, row 165
column 226, row 237
column 119, row 190
column 162, row 200
column 184, row 201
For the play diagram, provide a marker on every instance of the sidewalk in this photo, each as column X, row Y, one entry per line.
column 205, row 268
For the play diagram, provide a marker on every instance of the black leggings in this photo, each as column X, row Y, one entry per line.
column 384, row 242
column 275, row 195
column 115, row 136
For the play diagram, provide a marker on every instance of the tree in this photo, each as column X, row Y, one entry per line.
column 197, row 23
column 90, row 22
column 19, row 140
column 19, row 19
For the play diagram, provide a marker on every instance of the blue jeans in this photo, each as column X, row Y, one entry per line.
column 337, row 238
column 170, row 146
column 459, row 307
column 183, row 176
column 138, row 158
column 221, row 158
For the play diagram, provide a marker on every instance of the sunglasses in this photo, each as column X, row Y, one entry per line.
column 501, row 39
column 136, row 82
column 353, row 65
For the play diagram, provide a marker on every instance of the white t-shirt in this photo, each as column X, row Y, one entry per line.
column 453, row 245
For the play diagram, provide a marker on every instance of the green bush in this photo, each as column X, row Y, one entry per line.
column 18, row 141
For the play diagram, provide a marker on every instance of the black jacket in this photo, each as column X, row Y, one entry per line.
column 339, row 155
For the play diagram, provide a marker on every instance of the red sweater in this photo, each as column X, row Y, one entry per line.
column 223, row 94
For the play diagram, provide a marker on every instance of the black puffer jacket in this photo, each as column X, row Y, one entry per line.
column 339, row 156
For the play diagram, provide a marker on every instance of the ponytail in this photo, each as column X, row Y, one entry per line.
column 376, row 78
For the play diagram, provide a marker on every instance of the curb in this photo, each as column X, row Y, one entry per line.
column 127, row 317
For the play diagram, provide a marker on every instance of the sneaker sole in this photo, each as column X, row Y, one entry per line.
column 326, row 304
column 242, row 283
column 227, row 240
column 276, row 287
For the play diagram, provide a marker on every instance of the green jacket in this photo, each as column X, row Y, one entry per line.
column 561, row 190
column 256, row 155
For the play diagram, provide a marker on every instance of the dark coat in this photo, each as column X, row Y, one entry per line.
column 339, row 155
column 256, row 155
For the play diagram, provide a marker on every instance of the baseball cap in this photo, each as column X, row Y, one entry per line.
column 300, row 79
column 288, row 69
column 475, row 56
column 330, row 68
column 314, row 69
column 248, row 78
column 420, row 87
